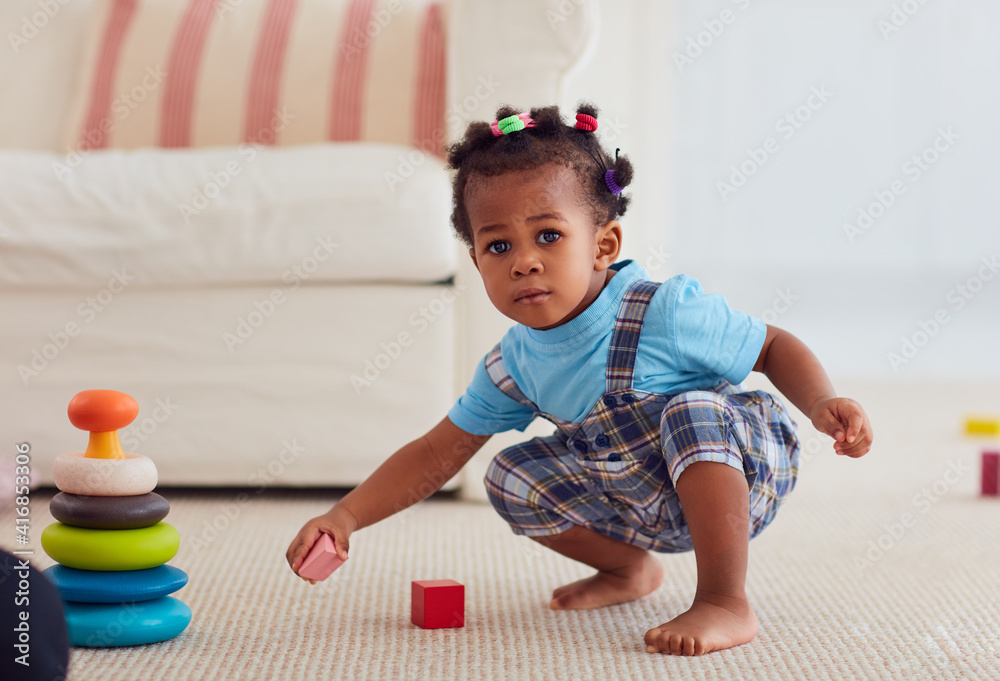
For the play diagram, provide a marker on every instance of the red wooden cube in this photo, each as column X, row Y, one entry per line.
column 990, row 481
column 437, row 604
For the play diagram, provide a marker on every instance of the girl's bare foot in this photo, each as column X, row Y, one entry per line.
column 709, row 624
column 610, row 587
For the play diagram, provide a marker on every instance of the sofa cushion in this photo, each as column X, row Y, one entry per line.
column 347, row 212
column 203, row 72
column 316, row 388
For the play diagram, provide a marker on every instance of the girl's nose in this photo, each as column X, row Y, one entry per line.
column 527, row 262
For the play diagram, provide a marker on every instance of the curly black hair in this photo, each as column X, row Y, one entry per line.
column 550, row 141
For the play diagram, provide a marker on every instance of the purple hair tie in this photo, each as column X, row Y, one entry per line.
column 609, row 179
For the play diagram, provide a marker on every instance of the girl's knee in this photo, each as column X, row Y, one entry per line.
column 496, row 478
column 507, row 479
column 694, row 406
column 700, row 425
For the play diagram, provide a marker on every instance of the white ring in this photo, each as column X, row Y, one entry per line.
column 131, row 476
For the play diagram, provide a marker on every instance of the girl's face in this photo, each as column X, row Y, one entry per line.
column 541, row 258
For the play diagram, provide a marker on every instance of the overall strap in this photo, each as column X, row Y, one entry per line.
column 502, row 379
column 625, row 338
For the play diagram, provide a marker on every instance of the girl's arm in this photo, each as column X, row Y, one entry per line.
column 414, row 472
column 797, row 374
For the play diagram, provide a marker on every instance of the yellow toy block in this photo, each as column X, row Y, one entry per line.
column 982, row 425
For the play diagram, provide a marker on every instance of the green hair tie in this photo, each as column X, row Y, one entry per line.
column 511, row 124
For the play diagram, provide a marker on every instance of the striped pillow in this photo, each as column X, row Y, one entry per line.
column 194, row 73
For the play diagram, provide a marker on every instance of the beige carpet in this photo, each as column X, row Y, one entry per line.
column 924, row 607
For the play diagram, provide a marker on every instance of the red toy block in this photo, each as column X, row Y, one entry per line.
column 321, row 560
column 990, row 484
column 438, row 604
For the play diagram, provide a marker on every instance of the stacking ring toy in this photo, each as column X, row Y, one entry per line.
column 111, row 543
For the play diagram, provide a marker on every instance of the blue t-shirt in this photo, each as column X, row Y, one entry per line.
column 689, row 341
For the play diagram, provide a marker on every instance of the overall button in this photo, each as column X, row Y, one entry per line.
column 602, row 440
column 580, row 445
column 609, row 400
column 614, row 456
column 628, row 399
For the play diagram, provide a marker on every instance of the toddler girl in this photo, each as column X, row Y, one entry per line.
column 657, row 447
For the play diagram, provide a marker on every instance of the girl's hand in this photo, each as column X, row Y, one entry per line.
column 846, row 422
column 338, row 522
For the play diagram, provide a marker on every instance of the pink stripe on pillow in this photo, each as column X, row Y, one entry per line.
column 349, row 74
column 93, row 136
column 428, row 105
column 182, row 74
column 265, row 77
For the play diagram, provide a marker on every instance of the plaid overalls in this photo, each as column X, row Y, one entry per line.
column 616, row 472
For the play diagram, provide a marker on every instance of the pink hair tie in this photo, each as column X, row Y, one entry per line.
column 586, row 122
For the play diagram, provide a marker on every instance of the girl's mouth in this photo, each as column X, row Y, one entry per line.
column 533, row 298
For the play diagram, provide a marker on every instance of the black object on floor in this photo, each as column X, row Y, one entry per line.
column 34, row 644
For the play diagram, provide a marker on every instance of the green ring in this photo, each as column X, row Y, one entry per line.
column 89, row 549
column 510, row 124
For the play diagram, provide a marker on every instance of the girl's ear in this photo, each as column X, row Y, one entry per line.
column 609, row 245
column 472, row 254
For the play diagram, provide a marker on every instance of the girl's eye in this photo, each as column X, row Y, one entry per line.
column 549, row 237
column 498, row 247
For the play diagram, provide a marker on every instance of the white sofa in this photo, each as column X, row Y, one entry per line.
column 303, row 324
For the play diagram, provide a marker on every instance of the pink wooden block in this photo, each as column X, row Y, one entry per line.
column 322, row 559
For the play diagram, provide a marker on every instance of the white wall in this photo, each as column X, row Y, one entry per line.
column 887, row 91
column 631, row 85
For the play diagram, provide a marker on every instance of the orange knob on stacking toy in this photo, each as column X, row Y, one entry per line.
column 103, row 412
